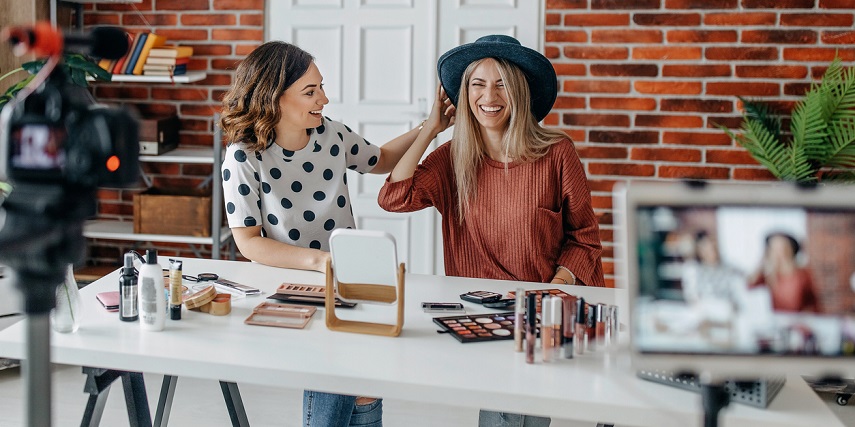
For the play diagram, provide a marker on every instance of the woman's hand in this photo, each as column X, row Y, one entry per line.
column 441, row 115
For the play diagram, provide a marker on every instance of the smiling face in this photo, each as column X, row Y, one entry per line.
column 303, row 102
column 488, row 98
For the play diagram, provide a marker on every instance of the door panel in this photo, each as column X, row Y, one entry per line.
column 378, row 59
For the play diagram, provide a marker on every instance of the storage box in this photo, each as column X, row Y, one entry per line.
column 181, row 212
column 158, row 134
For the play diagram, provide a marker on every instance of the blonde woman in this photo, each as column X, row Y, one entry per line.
column 513, row 195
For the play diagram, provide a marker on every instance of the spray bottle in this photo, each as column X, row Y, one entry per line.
column 128, row 291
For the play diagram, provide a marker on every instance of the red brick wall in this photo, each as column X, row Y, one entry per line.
column 642, row 81
column 221, row 32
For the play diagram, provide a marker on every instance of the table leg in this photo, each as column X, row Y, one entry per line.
column 234, row 404
column 98, row 381
column 164, row 403
column 95, row 408
column 136, row 399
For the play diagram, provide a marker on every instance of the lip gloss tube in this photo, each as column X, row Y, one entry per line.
column 600, row 313
column 546, row 328
column 569, row 322
column 530, row 327
column 556, row 327
column 581, row 330
column 519, row 310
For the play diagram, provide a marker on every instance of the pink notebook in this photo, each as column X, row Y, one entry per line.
column 110, row 300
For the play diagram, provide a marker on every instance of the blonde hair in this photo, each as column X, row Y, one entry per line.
column 524, row 139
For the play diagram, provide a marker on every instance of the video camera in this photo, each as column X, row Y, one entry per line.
column 57, row 146
column 53, row 134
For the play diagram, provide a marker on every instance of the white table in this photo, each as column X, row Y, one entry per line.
column 420, row 365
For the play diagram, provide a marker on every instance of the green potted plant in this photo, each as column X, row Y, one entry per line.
column 76, row 66
column 820, row 144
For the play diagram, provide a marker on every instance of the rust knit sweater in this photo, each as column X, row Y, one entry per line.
column 522, row 224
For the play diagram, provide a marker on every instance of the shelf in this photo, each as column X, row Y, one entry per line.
column 124, row 230
column 190, row 77
column 198, row 155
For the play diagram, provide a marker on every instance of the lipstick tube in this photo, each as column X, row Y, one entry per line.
column 556, row 327
column 581, row 329
column 569, row 323
column 530, row 327
column 546, row 328
column 519, row 310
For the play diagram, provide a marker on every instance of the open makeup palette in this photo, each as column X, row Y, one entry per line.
column 296, row 293
column 479, row 327
column 280, row 315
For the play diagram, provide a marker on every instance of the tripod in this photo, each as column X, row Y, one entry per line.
column 41, row 235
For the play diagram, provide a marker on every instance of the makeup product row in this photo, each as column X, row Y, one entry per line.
column 566, row 324
column 569, row 325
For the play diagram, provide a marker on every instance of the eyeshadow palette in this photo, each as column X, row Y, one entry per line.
column 479, row 327
column 540, row 292
column 306, row 294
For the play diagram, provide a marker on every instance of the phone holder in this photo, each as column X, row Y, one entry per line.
column 383, row 294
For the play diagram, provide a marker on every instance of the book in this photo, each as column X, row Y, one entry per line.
column 165, row 72
column 152, row 40
column 120, row 63
column 132, row 59
column 167, row 61
column 159, row 67
column 171, row 51
column 105, row 64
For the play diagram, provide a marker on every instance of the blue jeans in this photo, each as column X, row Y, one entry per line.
column 504, row 419
column 338, row 410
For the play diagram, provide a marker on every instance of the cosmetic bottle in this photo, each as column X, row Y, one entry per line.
column 128, row 307
column 600, row 313
column 613, row 325
column 569, row 323
column 546, row 328
column 591, row 327
column 519, row 311
column 152, row 302
column 557, row 338
column 530, row 327
column 175, row 289
column 581, row 326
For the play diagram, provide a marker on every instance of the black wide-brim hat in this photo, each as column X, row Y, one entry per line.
column 542, row 81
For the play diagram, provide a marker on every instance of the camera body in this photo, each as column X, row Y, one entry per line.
column 57, row 136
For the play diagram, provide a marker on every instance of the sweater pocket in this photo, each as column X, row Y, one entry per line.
column 548, row 233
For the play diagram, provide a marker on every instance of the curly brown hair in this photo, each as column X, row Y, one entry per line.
column 251, row 106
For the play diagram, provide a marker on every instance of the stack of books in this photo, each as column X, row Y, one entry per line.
column 133, row 61
column 167, row 61
column 149, row 55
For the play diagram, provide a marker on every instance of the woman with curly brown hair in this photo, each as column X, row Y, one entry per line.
column 285, row 185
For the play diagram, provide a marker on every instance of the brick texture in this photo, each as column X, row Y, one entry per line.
column 676, row 72
column 644, row 84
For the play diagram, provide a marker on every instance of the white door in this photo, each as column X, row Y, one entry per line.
column 378, row 59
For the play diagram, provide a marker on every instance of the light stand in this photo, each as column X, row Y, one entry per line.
column 41, row 236
column 715, row 398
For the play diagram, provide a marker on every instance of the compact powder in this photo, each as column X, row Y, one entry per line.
column 484, row 320
column 502, row 332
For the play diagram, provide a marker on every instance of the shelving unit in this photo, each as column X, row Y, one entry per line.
column 190, row 77
column 220, row 235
